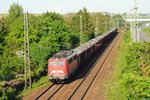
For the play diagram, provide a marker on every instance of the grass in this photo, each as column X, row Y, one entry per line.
column 146, row 30
column 36, row 85
column 113, row 88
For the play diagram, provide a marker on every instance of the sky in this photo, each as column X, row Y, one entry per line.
column 66, row 6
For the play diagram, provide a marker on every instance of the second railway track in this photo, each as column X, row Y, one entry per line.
column 49, row 92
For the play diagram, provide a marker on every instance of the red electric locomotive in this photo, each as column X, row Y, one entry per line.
column 61, row 65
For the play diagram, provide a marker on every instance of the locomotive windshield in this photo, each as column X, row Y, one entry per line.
column 52, row 63
column 61, row 63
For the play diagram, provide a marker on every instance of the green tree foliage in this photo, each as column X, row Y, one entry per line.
column 15, row 12
column 118, row 20
column 137, row 70
column 87, row 25
column 132, row 72
column 8, row 94
column 75, row 36
column 52, row 35
column 3, row 33
column 69, row 19
column 48, row 34
column 88, row 29
column 103, row 21
column 13, row 42
column 74, row 40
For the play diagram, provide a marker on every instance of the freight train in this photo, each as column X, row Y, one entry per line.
column 64, row 63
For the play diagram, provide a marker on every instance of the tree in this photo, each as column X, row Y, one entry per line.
column 88, row 29
column 136, row 72
column 3, row 33
column 52, row 36
column 118, row 20
column 103, row 22
column 13, row 40
column 15, row 12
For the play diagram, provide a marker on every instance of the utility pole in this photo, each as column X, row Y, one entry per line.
column 27, row 67
column 114, row 24
column 106, row 26
column 132, row 27
column 122, row 23
column 96, row 29
column 117, row 22
column 110, row 23
column 81, row 30
column 136, row 31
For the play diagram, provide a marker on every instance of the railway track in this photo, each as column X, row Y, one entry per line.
column 77, row 90
column 81, row 90
column 38, row 96
column 49, row 92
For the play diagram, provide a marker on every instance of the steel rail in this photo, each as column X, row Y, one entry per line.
column 90, row 71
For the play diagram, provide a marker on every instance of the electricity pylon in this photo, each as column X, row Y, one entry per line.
column 81, row 30
column 136, row 31
column 27, row 67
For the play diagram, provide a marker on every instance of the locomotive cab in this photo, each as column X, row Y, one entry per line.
column 61, row 65
column 57, row 68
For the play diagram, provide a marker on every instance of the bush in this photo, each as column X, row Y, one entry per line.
column 132, row 72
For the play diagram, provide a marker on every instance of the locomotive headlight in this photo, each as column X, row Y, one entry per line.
column 57, row 71
column 60, row 71
column 53, row 71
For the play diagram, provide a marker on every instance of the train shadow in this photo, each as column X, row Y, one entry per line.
column 87, row 66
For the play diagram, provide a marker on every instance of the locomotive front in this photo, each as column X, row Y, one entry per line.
column 61, row 65
column 57, row 68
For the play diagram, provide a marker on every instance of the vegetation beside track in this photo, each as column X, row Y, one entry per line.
column 12, row 94
column 36, row 85
column 146, row 30
column 131, row 75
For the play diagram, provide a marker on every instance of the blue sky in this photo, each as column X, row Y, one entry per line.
column 65, row 6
